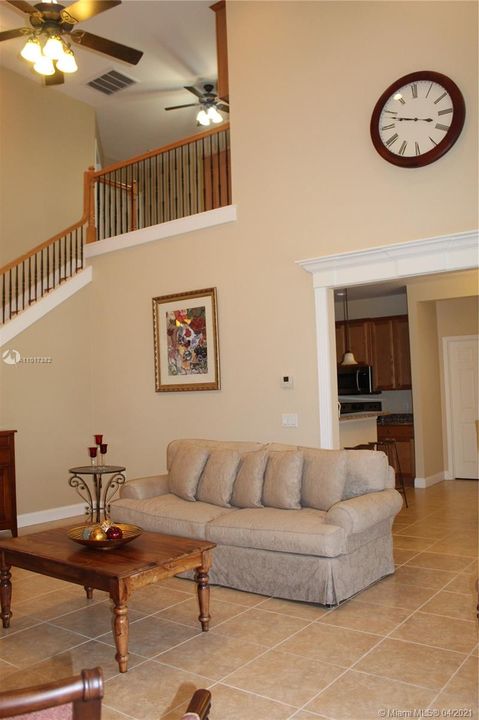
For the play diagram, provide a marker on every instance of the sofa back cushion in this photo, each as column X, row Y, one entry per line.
column 324, row 477
column 282, row 482
column 241, row 446
column 216, row 483
column 248, row 486
column 366, row 471
column 185, row 471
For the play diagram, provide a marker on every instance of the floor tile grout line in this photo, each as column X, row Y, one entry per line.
column 444, row 688
column 387, row 636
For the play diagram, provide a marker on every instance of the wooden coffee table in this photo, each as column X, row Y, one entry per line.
column 145, row 560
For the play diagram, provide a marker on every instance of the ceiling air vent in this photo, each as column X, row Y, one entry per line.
column 111, row 82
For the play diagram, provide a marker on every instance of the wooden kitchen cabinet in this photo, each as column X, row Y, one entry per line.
column 402, row 357
column 404, row 436
column 383, row 343
column 8, row 498
column 359, row 340
column 383, row 353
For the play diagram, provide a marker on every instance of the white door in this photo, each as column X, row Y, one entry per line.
column 462, row 378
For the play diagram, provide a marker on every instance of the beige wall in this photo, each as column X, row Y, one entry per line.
column 50, row 404
column 431, row 302
column 46, row 142
column 457, row 316
column 304, row 79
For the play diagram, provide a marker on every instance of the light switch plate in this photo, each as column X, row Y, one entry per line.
column 289, row 420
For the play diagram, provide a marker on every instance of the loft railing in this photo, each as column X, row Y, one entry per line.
column 26, row 280
column 181, row 179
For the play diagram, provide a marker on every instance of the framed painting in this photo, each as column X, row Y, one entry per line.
column 185, row 329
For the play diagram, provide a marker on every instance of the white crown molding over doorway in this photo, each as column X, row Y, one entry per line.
column 448, row 253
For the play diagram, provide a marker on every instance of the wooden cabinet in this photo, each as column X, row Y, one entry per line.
column 359, row 340
column 383, row 353
column 402, row 357
column 222, row 86
column 404, row 436
column 8, row 499
column 384, row 344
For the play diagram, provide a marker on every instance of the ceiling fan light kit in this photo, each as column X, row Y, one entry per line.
column 209, row 105
column 46, row 46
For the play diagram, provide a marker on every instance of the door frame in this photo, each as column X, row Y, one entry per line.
column 446, row 253
column 447, row 342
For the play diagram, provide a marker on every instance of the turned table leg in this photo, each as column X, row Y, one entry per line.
column 201, row 577
column 5, row 594
column 120, row 634
column 89, row 592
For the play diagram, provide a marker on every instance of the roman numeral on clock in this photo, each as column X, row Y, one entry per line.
column 402, row 149
column 414, row 90
column 388, row 127
column 417, row 148
column 444, row 128
column 392, row 139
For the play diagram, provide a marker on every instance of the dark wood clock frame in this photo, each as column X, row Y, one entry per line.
column 450, row 137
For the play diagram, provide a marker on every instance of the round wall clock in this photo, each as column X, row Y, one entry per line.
column 417, row 119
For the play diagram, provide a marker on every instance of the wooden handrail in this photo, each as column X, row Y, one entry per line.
column 42, row 246
column 90, row 176
column 160, row 150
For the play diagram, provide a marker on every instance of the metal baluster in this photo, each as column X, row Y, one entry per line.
column 35, row 270
column 3, row 298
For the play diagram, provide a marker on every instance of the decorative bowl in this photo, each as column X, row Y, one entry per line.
column 130, row 532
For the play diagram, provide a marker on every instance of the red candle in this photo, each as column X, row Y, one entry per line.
column 93, row 451
column 98, row 439
column 103, row 448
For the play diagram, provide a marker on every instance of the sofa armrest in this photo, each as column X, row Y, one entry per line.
column 364, row 511
column 142, row 488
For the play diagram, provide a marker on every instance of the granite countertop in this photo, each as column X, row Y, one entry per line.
column 372, row 415
column 396, row 419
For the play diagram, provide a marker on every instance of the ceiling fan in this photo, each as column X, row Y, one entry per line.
column 209, row 104
column 52, row 29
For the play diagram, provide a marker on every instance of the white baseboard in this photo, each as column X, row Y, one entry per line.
column 430, row 480
column 44, row 516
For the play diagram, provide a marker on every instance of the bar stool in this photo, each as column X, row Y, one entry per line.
column 390, row 448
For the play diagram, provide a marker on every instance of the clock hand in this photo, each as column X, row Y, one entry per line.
column 414, row 119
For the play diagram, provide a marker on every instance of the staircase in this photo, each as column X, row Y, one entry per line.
column 172, row 182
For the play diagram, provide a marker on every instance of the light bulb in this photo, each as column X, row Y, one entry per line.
column 67, row 63
column 44, row 66
column 32, row 50
column 214, row 115
column 203, row 118
column 53, row 48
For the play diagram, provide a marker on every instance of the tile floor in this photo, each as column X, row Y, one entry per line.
column 407, row 643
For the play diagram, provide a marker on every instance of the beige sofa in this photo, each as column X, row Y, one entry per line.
column 292, row 522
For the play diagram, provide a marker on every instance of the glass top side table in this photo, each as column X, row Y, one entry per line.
column 103, row 491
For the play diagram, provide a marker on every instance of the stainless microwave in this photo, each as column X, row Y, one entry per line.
column 355, row 380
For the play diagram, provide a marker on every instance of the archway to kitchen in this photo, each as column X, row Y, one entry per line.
column 426, row 258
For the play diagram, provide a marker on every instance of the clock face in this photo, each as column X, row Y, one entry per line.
column 417, row 119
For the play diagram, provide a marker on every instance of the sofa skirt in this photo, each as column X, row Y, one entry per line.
column 322, row 580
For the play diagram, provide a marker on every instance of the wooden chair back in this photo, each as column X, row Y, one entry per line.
column 78, row 698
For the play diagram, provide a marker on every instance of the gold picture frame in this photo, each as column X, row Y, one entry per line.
column 185, row 330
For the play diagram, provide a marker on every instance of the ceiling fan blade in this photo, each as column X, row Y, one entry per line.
column 9, row 34
column 177, row 107
column 23, row 6
column 223, row 107
column 193, row 90
column 107, row 47
column 57, row 79
column 85, row 9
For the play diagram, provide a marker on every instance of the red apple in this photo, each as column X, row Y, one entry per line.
column 114, row 533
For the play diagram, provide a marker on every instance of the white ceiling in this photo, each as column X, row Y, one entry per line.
column 177, row 38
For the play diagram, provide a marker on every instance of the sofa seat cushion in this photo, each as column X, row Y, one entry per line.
column 297, row 531
column 168, row 514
